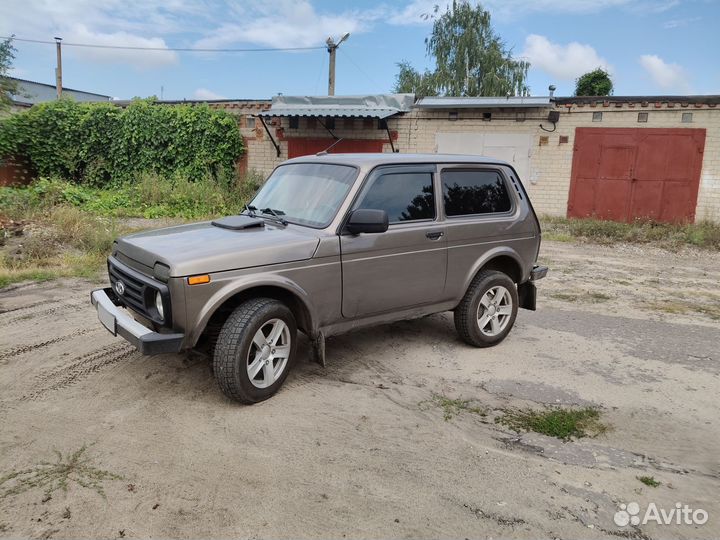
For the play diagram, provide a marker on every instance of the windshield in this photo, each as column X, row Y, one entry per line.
column 305, row 193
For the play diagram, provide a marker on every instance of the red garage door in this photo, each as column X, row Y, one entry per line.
column 622, row 174
column 303, row 147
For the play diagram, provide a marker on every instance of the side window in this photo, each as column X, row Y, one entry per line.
column 404, row 196
column 474, row 191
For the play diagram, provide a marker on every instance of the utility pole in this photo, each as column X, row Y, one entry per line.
column 332, row 49
column 58, row 69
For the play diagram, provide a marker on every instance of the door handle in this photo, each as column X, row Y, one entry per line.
column 434, row 235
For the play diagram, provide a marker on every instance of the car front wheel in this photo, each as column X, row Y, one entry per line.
column 255, row 350
column 487, row 312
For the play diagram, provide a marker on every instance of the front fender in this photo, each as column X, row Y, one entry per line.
column 227, row 288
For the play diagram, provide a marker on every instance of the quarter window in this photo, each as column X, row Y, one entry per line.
column 467, row 192
column 404, row 196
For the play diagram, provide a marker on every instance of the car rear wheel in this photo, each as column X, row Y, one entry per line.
column 255, row 350
column 487, row 312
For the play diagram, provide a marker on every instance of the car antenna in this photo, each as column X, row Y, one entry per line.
column 327, row 150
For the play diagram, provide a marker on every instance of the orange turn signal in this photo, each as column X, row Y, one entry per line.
column 198, row 280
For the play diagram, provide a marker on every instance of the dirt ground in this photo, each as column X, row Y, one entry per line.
column 360, row 449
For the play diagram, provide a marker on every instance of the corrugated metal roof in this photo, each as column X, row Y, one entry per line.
column 378, row 106
column 482, row 102
column 31, row 93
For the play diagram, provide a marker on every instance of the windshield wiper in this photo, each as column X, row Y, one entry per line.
column 250, row 210
column 276, row 214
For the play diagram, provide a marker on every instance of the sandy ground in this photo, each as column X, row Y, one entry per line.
column 357, row 450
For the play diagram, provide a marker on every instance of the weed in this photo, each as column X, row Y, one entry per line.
column 75, row 468
column 649, row 481
column 599, row 297
column 452, row 407
column 556, row 422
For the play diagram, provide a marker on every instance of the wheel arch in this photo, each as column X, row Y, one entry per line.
column 502, row 259
column 220, row 307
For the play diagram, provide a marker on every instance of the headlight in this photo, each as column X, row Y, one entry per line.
column 159, row 305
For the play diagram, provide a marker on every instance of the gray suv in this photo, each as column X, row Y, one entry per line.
column 329, row 244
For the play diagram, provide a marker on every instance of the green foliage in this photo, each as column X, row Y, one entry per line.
column 594, row 83
column 409, row 80
column 470, row 58
column 452, row 407
column 151, row 196
column 649, row 481
column 100, row 144
column 7, row 86
column 556, row 422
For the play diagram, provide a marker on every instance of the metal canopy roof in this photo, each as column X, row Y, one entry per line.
column 482, row 102
column 378, row 106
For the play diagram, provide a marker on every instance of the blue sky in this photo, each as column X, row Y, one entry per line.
column 650, row 46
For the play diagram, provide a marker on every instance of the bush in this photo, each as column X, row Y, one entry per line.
column 100, row 144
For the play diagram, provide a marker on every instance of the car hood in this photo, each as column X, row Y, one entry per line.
column 203, row 248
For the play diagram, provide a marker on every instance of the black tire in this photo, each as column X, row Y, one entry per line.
column 235, row 345
column 466, row 313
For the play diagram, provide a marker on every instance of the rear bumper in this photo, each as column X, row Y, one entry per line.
column 119, row 322
column 538, row 272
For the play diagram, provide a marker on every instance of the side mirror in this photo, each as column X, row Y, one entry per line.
column 365, row 220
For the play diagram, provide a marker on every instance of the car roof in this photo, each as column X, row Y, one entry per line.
column 372, row 160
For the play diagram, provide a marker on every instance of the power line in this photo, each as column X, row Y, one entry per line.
column 176, row 49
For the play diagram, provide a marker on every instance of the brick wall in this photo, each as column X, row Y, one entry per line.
column 548, row 179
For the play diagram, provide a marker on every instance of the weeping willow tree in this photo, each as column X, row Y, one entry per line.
column 470, row 58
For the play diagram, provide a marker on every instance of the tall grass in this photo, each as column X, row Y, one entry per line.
column 69, row 229
column 704, row 234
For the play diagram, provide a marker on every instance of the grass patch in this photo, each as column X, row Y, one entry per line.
column 682, row 307
column 565, row 297
column 452, row 407
column 591, row 296
column 52, row 476
column 62, row 241
column 704, row 234
column 556, row 422
column 649, row 481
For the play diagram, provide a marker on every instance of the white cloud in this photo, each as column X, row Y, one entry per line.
column 136, row 23
column 285, row 23
column 566, row 62
column 140, row 59
column 418, row 11
column 667, row 76
column 679, row 23
column 204, row 93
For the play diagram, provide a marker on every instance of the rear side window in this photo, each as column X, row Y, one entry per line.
column 404, row 196
column 474, row 191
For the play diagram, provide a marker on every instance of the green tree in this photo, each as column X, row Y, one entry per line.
column 7, row 85
column 594, row 83
column 470, row 58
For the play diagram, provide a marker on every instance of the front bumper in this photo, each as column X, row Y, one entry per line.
column 119, row 322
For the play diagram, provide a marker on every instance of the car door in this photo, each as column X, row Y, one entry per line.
column 406, row 265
